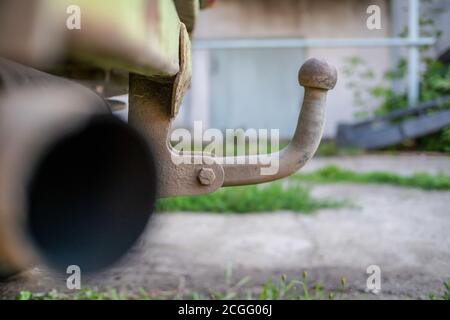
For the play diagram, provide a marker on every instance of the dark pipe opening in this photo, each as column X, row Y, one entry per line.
column 91, row 195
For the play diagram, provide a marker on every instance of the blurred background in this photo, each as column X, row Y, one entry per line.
column 246, row 55
column 375, row 194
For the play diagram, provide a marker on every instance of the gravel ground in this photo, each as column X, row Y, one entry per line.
column 403, row 231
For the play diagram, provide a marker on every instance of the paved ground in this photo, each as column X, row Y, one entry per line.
column 402, row 163
column 403, row 231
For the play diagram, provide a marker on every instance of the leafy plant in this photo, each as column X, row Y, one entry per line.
column 445, row 295
column 375, row 98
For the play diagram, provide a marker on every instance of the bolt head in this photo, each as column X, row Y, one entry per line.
column 206, row 176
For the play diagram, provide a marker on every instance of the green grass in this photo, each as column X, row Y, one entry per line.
column 331, row 174
column 445, row 293
column 284, row 289
column 328, row 148
column 279, row 289
column 84, row 294
column 293, row 196
column 300, row 288
column 270, row 197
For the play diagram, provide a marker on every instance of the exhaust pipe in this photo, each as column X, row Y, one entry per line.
column 77, row 185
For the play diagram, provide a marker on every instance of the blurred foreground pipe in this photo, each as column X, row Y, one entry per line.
column 77, row 185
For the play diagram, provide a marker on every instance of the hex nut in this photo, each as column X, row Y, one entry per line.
column 206, row 176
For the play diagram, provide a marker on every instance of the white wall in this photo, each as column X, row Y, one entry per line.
column 294, row 18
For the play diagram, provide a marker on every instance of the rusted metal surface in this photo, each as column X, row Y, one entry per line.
column 317, row 77
column 188, row 11
column 150, row 111
column 206, row 176
column 23, row 133
column 205, row 4
column 147, row 38
column 153, row 103
column 183, row 78
column 53, row 210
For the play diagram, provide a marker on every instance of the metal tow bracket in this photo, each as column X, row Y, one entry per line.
column 155, row 102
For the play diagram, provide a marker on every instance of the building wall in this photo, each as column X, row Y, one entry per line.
column 233, row 19
column 436, row 10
